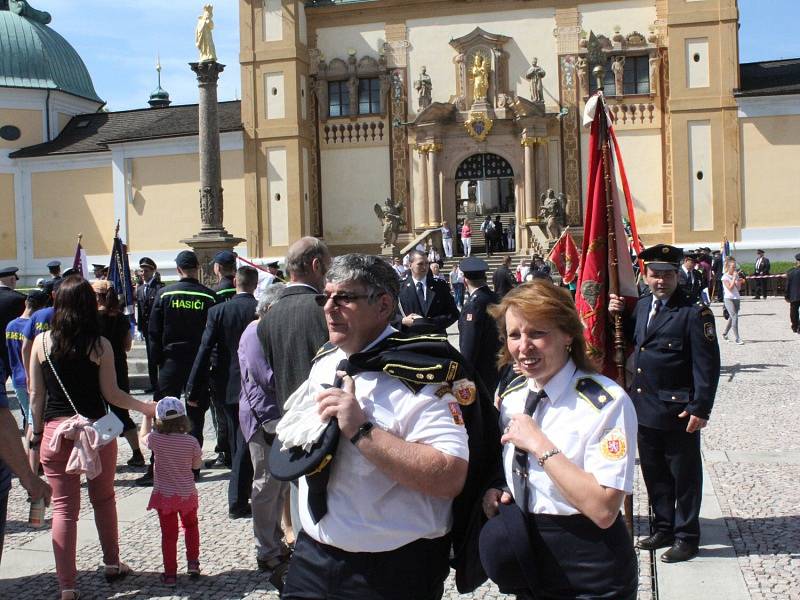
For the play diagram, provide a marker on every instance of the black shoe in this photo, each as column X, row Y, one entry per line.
column 137, row 460
column 146, row 480
column 243, row 512
column 218, row 462
column 279, row 568
column 660, row 539
column 680, row 551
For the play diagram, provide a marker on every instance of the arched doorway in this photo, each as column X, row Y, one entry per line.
column 484, row 185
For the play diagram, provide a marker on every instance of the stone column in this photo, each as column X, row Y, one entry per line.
column 530, row 185
column 212, row 236
column 434, row 190
column 421, row 204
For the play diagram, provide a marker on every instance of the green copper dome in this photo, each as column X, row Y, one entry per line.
column 33, row 56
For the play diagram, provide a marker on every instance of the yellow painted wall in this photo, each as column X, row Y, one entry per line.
column 771, row 178
column 166, row 200
column 29, row 123
column 8, row 236
column 347, row 208
column 66, row 203
column 630, row 15
column 63, row 119
column 366, row 40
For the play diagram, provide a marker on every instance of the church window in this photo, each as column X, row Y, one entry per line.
column 635, row 77
column 369, row 96
column 338, row 98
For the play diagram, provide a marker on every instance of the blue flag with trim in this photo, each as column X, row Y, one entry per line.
column 119, row 274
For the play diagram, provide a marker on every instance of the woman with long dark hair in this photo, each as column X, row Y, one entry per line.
column 75, row 354
column 115, row 326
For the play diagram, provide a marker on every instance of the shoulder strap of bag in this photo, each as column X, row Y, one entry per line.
column 55, row 374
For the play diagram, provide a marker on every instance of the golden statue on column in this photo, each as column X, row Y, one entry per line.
column 480, row 75
column 202, row 35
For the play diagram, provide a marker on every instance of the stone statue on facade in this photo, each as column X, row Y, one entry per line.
column 582, row 67
column 397, row 86
column 391, row 217
column 424, row 88
column 535, row 75
column 202, row 35
column 618, row 68
column 552, row 212
column 23, row 9
column 480, row 77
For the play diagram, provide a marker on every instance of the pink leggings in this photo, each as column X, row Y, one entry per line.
column 66, row 505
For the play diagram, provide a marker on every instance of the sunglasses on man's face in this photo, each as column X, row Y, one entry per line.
column 340, row 300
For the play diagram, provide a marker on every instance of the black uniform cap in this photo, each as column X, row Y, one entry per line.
column 759, row 251
column 473, row 267
column 146, row 261
column 53, row 264
column 8, row 271
column 225, row 257
column 96, row 266
column 70, row 271
column 662, row 257
column 186, row 259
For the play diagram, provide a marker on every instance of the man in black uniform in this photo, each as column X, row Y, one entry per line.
column 716, row 274
column 676, row 374
column 220, row 342
column 426, row 304
column 479, row 339
column 177, row 322
column 225, row 270
column 145, row 297
column 690, row 280
column 502, row 278
column 762, row 268
column 792, row 294
column 54, row 266
column 12, row 305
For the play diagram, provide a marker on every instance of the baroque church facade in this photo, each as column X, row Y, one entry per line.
column 447, row 107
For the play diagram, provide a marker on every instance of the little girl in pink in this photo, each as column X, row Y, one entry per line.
column 176, row 453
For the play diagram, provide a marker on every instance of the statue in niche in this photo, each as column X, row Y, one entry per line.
column 582, row 66
column 391, row 217
column 480, row 77
column 424, row 88
column 552, row 212
column 202, row 35
column 535, row 75
column 655, row 64
column 397, row 86
column 618, row 68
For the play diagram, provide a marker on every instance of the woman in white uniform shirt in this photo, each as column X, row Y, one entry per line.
column 578, row 449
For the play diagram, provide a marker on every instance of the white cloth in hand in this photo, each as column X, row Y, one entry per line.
column 301, row 424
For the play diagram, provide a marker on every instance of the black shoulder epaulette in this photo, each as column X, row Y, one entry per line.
column 595, row 394
column 515, row 384
column 326, row 349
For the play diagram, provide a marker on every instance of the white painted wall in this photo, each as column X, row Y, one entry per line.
column 278, row 197
column 697, row 63
column 301, row 22
column 353, row 180
column 275, row 94
column 273, row 21
column 366, row 40
column 530, row 28
column 630, row 15
column 701, row 191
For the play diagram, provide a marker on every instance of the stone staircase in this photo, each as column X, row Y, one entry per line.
column 137, row 368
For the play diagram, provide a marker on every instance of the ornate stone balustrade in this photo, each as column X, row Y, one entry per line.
column 361, row 132
column 635, row 115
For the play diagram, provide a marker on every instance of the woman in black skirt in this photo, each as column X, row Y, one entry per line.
column 569, row 446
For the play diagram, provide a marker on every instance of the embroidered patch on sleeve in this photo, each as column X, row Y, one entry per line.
column 455, row 410
column 613, row 446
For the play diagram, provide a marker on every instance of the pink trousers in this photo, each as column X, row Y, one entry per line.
column 66, row 505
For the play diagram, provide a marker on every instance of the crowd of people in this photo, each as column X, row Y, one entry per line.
column 370, row 454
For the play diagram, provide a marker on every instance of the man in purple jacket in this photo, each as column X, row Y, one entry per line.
column 258, row 417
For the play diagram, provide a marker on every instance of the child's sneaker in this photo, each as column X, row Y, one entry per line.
column 170, row 580
column 193, row 569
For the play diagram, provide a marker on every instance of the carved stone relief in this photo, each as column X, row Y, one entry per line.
column 570, row 136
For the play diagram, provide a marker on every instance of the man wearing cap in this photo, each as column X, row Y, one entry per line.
column 479, row 339
column 12, row 305
column 176, row 326
column 225, row 324
column 379, row 527
column 54, row 268
column 426, row 304
column 676, row 371
column 792, row 294
column 273, row 269
column 145, row 297
column 690, row 280
column 225, row 271
column 761, row 269
column 100, row 271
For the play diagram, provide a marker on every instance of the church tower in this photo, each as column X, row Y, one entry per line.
column 278, row 131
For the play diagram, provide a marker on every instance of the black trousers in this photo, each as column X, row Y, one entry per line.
column 152, row 367
column 761, row 288
column 415, row 571
column 217, row 389
column 794, row 315
column 173, row 374
column 240, row 484
column 673, row 474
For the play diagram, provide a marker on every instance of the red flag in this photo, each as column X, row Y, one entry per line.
column 564, row 256
column 80, row 263
column 595, row 280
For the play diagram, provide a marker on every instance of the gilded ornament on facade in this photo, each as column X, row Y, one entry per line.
column 478, row 125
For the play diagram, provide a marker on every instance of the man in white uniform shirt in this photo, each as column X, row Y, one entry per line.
column 401, row 459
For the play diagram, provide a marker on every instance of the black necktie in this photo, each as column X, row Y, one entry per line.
column 421, row 295
column 520, row 468
column 318, row 483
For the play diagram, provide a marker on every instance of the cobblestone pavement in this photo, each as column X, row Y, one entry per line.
column 752, row 450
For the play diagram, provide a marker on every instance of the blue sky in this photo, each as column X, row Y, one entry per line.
column 119, row 41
